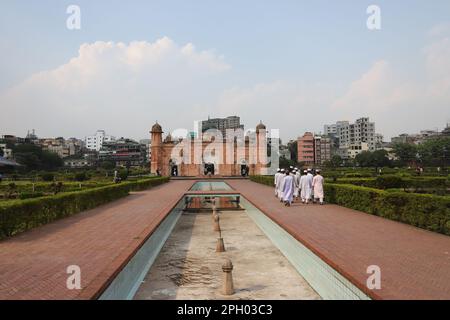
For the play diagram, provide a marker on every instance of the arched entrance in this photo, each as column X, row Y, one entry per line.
column 209, row 169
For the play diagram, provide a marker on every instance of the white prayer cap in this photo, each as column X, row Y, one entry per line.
column 296, row 168
column 282, row 170
column 317, row 170
column 291, row 167
column 309, row 169
column 278, row 170
column 305, row 171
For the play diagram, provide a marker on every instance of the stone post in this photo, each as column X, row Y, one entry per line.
column 227, row 268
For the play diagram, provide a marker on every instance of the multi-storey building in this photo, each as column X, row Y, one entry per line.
column 123, row 152
column 305, row 149
column 314, row 149
column 222, row 124
column 63, row 148
column 322, row 149
column 95, row 142
column 147, row 143
column 353, row 135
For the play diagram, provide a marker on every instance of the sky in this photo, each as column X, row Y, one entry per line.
column 294, row 65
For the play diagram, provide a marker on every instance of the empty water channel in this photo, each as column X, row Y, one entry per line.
column 179, row 260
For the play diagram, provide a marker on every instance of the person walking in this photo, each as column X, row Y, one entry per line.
column 317, row 184
column 288, row 189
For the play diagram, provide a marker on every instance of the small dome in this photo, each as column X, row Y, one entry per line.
column 168, row 139
column 156, row 128
column 260, row 126
column 227, row 265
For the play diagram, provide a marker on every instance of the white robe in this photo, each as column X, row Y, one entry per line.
column 288, row 188
column 297, row 184
column 305, row 186
column 318, row 187
column 310, row 178
column 280, row 185
column 275, row 182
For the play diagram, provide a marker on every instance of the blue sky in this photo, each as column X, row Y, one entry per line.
column 319, row 48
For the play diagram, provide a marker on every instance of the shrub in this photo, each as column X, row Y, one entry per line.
column 19, row 215
column 123, row 174
column 81, row 176
column 48, row 177
column 30, row 195
column 389, row 182
column 429, row 212
column 267, row 180
column 425, row 211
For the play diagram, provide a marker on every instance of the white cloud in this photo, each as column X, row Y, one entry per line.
column 120, row 87
column 124, row 88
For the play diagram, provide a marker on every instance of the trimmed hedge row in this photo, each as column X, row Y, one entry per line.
column 267, row 180
column 425, row 211
column 20, row 215
column 416, row 183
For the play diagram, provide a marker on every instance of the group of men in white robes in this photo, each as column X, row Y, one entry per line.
column 290, row 184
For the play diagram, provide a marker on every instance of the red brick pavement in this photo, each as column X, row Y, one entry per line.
column 33, row 264
column 415, row 264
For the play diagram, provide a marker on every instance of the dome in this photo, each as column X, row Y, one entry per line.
column 156, row 128
column 260, row 126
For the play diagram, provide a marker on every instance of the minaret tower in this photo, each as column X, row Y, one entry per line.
column 156, row 136
column 261, row 147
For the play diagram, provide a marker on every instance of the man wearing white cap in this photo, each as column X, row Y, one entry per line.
column 310, row 178
column 280, row 184
column 276, row 180
column 318, row 186
column 305, row 187
column 297, row 183
column 288, row 189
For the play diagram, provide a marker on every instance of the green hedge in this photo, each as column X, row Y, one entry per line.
column 413, row 182
column 425, row 211
column 267, row 180
column 20, row 215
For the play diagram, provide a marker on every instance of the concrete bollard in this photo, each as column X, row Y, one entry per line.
column 227, row 268
column 216, row 223
column 220, row 246
column 214, row 213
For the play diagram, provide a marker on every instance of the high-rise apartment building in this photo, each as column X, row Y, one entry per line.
column 305, row 149
column 322, row 149
column 314, row 150
column 222, row 124
column 352, row 136
column 95, row 142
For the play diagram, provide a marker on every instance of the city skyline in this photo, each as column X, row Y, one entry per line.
column 124, row 69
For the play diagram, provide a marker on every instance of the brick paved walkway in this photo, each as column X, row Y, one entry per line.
column 33, row 264
column 415, row 264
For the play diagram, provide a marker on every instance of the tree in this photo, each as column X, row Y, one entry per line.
column 108, row 165
column 336, row 161
column 34, row 158
column 406, row 153
column 435, row 152
column 285, row 163
column 293, row 149
column 374, row 159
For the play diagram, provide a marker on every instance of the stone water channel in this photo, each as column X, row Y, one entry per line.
column 188, row 266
